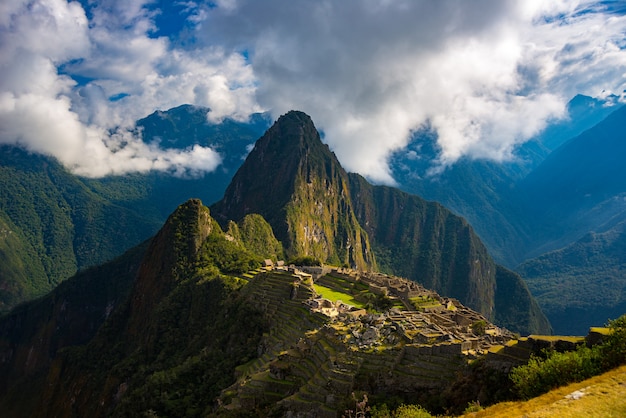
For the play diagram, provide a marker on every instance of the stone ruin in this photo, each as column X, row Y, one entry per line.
column 446, row 322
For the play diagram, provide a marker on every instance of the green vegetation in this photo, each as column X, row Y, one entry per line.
column 555, row 369
column 226, row 255
column 52, row 224
column 594, row 263
column 423, row 302
column 402, row 411
column 600, row 396
column 479, row 327
column 305, row 260
column 335, row 295
column 258, row 237
column 174, row 358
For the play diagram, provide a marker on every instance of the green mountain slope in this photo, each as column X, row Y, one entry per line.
column 583, row 283
column 177, row 323
column 172, row 329
column 33, row 334
column 54, row 225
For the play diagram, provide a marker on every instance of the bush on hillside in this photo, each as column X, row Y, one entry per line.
column 614, row 346
column 305, row 260
column 540, row 375
column 555, row 369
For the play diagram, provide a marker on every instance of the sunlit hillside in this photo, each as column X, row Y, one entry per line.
column 600, row 396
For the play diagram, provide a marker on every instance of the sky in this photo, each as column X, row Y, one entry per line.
column 486, row 75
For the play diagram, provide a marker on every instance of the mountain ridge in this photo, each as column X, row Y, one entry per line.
column 312, row 201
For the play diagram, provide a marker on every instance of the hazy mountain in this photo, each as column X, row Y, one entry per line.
column 582, row 284
column 484, row 191
column 577, row 200
column 182, row 127
column 580, row 187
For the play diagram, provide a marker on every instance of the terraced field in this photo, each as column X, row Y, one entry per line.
column 306, row 365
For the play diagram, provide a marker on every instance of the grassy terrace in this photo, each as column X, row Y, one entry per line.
column 424, row 302
column 334, row 295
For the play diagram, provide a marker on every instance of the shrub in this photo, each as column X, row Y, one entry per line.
column 411, row 411
column 306, row 260
column 403, row 411
column 614, row 346
column 540, row 375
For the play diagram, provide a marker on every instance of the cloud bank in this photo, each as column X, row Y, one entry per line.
column 486, row 75
column 72, row 86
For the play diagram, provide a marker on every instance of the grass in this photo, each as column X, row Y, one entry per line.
column 600, row 330
column 334, row 295
column 424, row 302
column 602, row 396
column 569, row 338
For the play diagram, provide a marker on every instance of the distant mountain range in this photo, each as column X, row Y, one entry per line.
column 566, row 184
column 49, row 219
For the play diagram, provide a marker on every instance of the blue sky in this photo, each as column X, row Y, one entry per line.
column 486, row 74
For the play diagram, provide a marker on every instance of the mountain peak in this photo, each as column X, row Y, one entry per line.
column 297, row 184
column 292, row 132
column 172, row 250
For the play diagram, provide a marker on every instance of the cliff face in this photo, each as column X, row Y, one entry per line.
column 427, row 243
column 296, row 183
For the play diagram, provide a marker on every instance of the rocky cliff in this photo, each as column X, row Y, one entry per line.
column 296, row 183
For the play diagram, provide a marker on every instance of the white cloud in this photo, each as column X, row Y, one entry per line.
column 486, row 75
column 44, row 110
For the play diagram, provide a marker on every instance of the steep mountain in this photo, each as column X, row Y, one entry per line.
column 53, row 224
column 296, row 183
column 315, row 208
column 429, row 244
column 580, row 187
column 166, row 313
